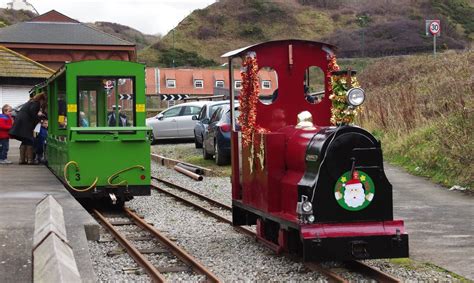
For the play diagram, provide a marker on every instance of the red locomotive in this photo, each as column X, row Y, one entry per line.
column 311, row 188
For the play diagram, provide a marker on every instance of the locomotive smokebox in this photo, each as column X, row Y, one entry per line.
column 344, row 177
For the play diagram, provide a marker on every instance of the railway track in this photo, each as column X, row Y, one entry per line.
column 222, row 212
column 180, row 260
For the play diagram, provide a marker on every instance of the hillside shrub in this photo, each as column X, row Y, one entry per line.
column 461, row 11
column 422, row 108
column 179, row 57
column 10, row 17
column 252, row 32
column 392, row 38
column 326, row 4
column 205, row 32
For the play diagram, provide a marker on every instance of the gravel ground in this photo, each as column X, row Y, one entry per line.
column 229, row 254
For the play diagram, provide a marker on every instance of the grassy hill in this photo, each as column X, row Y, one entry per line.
column 422, row 108
column 126, row 33
column 389, row 27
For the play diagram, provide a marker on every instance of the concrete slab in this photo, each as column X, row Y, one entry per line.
column 49, row 218
column 439, row 222
column 22, row 187
column 54, row 262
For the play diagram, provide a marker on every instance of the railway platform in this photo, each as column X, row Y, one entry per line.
column 21, row 188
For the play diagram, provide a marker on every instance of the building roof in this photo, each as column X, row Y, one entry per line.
column 56, row 28
column 53, row 16
column 15, row 65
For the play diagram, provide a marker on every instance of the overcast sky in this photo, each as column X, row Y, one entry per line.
column 147, row 16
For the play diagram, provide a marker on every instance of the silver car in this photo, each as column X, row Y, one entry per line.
column 175, row 122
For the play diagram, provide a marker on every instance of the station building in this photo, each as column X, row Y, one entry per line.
column 45, row 43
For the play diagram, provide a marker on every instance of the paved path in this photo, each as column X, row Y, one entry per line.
column 440, row 223
column 21, row 188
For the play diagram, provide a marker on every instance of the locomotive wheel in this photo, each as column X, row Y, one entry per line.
column 205, row 155
column 221, row 159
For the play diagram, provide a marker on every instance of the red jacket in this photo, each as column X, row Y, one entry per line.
column 6, row 123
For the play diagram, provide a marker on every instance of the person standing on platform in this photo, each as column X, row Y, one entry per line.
column 6, row 122
column 25, row 122
column 40, row 142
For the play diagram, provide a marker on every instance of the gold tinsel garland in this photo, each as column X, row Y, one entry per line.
column 341, row 111
column 248, row 99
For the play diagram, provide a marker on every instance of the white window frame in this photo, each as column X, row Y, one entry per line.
column 219, row 82
column 238, row 82
column 198, row 81
column 269, row 86
column 170, row 83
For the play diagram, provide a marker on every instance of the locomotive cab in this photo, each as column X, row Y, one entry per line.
column 311, row 188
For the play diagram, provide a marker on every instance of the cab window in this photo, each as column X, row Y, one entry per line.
column 106, row 101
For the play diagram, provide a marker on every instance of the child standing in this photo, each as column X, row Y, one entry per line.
column 40, row 142
column 5, row 125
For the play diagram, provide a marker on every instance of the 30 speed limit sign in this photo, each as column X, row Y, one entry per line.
column 435, row 27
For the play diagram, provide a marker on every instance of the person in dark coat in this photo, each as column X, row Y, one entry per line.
column 111, row 118
column 24, row 124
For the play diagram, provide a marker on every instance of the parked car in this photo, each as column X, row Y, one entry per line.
column 203, row 120
column 217, row 136
column 175, row 122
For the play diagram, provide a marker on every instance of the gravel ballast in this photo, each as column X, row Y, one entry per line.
column 230, row 255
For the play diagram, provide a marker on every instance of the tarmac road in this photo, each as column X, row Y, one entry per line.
column 439, row 222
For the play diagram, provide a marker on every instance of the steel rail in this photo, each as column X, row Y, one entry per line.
column 332, row 276
column 376, row 274
column 151, row 270
column 357, row 266
column 177, row 251
column 216, row 203
column 205, row 210
column 195, row 205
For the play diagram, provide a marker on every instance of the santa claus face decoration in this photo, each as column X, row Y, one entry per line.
column 354, row 191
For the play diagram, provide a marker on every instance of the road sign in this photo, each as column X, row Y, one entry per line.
column 435, row 27
column 125, row 97
column 171, row 97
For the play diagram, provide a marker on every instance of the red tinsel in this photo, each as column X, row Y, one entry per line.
column 332, row 67
column 248, row 99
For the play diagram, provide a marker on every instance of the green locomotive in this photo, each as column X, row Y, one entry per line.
column 98, row 143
